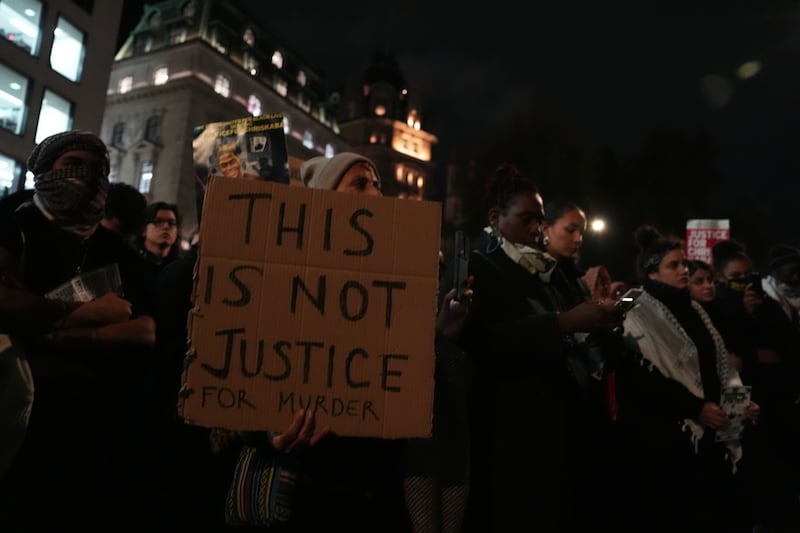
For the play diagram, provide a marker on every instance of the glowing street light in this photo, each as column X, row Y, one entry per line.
column 598, row 225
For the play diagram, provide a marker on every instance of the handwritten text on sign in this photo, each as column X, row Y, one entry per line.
column 313, row 299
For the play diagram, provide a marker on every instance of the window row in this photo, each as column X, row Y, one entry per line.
column 20, row 23
column 55, row 112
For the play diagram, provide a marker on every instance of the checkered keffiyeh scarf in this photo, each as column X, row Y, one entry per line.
column 73, row 197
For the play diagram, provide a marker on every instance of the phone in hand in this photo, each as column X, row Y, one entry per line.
column 626, row 302
column 460, row 264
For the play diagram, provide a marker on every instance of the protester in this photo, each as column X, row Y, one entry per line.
column 776, row 381
column 70, row 470
column 682, row 477
column 593, row 358
column 520, row 338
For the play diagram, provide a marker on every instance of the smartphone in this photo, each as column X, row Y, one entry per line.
column 626, row 302
column 460, row 264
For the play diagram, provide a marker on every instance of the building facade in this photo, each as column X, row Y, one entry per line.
column 55, row 61
column 192, row 62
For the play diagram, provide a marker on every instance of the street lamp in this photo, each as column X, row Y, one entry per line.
column 598, row 225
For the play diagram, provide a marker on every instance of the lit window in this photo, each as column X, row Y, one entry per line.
column 249, row 37
column 277, row 59
column 308, row 140
column 373, row 139
column 152, row 131
column 177, row 35
column 329, row 152
column 142, row 44
column 410, row 178
column 117, row 134
column 161, row 76
column 188, row 10
column 125, row 84
column 281, row 87
column 250, row 63
column 417, row 125
column 154, row 21
column 219, row 41
column 285, row 124
column 66, row 55
column 380, row 110
column 222, row 86
column 9, row 174
column 29, row 180
column 19, row 23
column 303, row 102
column 420, row 182
column 301, row 78
column 55, row 116
column 398, row 173
column 254, row 105
column 13, row 93
column 145, row 177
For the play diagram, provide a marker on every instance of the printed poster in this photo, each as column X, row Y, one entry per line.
column 251, row 148
column 734, row 401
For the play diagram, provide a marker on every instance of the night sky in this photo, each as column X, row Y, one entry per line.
column 613, row 70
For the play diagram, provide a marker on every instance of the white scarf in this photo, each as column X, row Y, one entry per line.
column 782, row 293
column 664, row 343
column 535, row 261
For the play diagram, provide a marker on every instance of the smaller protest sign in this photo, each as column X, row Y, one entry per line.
column 734, row 402
column 702, row 234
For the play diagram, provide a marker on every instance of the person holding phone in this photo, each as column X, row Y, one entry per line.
column 670, row 406
column 520, row 334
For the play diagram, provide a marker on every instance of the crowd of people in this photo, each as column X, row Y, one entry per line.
column 554, row 409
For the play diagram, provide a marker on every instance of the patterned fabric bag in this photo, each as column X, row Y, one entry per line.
column 262, row 490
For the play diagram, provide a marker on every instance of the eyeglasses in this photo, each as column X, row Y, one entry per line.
column 169, row 222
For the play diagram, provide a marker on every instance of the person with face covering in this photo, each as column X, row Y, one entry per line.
column 520, row 334
column 776, row 381
column 68, row 473
column 682, row 478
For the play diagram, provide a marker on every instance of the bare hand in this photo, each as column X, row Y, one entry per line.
column 108, row 309
column 301, row 432
column 712, row 416
column 590, row 316
column 452, row 313
column 751, row 300
column 752, row 413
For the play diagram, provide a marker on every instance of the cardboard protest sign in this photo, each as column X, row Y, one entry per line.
column 313, row 299
column 245, row 148
column 702, row 234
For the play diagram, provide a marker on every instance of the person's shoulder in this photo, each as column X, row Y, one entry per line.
column 10, row 232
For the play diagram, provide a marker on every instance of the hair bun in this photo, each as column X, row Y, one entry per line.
column 645, row 236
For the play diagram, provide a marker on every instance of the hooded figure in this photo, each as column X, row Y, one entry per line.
column 73, row 195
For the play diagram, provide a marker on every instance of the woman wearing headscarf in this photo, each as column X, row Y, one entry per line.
column 684, row 452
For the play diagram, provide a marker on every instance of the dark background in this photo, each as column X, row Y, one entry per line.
column 633, row 109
